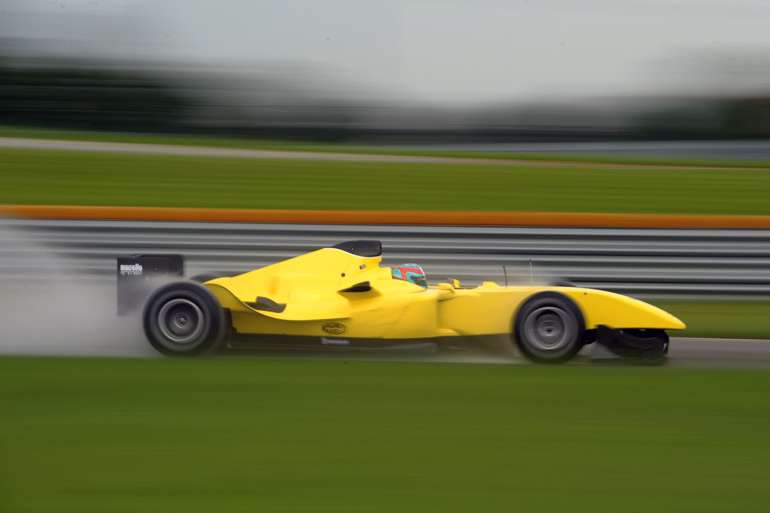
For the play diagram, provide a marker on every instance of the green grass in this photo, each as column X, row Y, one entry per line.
column 270, row 144
column 720, row 319
column 81, row 178
column 85, row 435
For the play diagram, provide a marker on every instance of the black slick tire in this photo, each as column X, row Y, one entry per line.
column 549, row 328
column 184, row 319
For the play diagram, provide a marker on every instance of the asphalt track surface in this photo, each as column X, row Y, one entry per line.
column 71, row 317
column 683, row 353
column 203, row 151
column 718, row 352
column 80, row 320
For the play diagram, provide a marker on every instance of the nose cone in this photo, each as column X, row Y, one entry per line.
column 675, row 322
column 656, row 317
column 618, row 311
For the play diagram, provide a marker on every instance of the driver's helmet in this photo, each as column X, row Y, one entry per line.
column 412, row 273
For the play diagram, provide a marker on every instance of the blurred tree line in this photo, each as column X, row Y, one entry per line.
column 87, row 98
column 94, row 96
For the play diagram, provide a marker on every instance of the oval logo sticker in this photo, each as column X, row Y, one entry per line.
column 333, row 328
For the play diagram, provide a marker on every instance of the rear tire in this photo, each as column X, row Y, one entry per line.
column 184, row 319
column 549, row 328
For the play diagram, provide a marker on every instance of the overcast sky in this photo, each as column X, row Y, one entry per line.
column 443, row 51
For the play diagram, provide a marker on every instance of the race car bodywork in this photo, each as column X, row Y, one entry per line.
column 341, row 296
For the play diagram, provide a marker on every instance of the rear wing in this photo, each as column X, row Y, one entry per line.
column 138, row 275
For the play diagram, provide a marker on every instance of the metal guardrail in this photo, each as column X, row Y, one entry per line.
column 642, row 262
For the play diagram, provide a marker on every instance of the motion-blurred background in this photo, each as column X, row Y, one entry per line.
column 391, row 72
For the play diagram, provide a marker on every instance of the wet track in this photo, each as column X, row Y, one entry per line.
column 720, row 352
column 683, row 352
column 75, row 319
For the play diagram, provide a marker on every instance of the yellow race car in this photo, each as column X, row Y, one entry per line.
column 341, row 297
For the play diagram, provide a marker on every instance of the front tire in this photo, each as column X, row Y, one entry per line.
column 184, row 319
column 549, row 328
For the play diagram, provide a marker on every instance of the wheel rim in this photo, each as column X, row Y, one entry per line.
column 549, row 328
column 181, row 321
